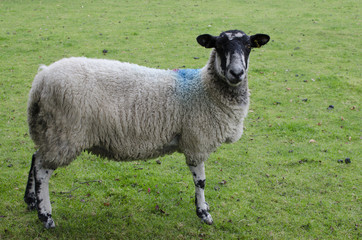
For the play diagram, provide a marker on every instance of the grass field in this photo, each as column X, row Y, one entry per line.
column 275, row 183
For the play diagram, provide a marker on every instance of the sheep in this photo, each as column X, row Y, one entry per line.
column 124, row 112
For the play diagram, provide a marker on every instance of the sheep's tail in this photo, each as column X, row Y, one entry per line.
column 42, row 67
column 34, row 105
column 33, row 117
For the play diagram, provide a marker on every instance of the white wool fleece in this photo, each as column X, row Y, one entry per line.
column 125, row 112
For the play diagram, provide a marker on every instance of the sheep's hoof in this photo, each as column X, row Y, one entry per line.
column 49, row 223
column 32, row 206
column 30, row 200
column 208, row 220
column 47, row 220
column 204, row 215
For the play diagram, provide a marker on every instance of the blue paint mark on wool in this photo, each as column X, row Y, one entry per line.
column 187, row 83
column 188, row 74
column 188, row 77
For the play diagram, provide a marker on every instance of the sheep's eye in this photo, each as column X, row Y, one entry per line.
column 248, row 46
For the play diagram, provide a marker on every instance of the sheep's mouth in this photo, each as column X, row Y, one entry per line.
column 234, row 81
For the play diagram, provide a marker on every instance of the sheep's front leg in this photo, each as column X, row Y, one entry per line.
column 202, row 208
column 42, row 176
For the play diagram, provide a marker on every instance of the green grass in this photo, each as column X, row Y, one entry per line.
column 278, row 185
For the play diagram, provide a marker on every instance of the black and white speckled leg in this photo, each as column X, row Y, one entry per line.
column 42, row 176
column 202, row 208
column 30, row 196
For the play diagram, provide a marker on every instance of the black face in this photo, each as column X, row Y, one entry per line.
column 233, row 49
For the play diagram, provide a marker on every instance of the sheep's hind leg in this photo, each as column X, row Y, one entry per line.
column 30, row 197
column 42, row 176
column 202, row 208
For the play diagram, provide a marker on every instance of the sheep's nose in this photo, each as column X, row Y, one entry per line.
column 237, row 75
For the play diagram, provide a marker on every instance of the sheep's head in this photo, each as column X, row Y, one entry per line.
column 232, row 53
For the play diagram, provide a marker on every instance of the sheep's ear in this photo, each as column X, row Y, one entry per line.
column 206, row 40
column 259, row 40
